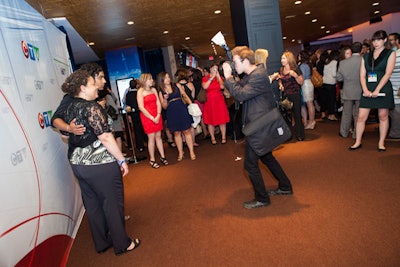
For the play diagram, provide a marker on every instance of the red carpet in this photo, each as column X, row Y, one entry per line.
column 345, row 210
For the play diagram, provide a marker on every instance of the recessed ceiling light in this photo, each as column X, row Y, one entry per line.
column 91, row 43
column 284, row 37
column 293, row 40
column 187, row 38
column 217, row 12
column 307, row 13
column 130, row 23
column 328, row 31
column 290, row 16
column 314, row 20
column 297, row 2
column 165, row 32
column 322, row 27
column 350, row 30
column 377, row 12
column 375, row 4
column 129, row 38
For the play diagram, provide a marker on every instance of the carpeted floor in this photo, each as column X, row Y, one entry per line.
column 345, row 210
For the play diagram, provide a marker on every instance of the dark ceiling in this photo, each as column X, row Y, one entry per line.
column 104, row 22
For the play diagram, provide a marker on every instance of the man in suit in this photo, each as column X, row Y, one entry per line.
column 349, row 73
column 254, row 90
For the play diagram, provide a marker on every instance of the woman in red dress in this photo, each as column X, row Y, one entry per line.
column 150, row 115
column 215, row 110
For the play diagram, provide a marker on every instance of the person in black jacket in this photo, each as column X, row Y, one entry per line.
column 134, row 112
column 254, row 90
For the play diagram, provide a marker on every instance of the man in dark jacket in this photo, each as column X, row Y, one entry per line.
column 254, row 90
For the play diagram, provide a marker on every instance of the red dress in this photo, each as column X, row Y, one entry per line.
column 215, row 110
column 150, row 104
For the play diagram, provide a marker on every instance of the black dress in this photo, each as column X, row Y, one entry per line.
column 379, row 67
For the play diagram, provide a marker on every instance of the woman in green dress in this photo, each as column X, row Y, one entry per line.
column 376, row 69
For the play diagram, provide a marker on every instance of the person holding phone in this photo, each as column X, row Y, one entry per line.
column 215, row 110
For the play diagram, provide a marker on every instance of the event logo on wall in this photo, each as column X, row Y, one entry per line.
column 30, row 51
column 45, row 119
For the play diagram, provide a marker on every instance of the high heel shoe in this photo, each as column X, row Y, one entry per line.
column 213, row 141
column 381, row 149
column 180, row 157
column 355, row 148
column 193, row 156
column 310, row 126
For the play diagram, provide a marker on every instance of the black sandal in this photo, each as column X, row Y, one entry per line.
column 154, row 164
column 164, row 161
column 136, row 244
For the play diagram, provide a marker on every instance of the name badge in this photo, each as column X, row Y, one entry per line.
column 372, row 77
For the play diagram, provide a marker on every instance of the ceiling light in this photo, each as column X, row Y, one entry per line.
column 165, row 32
column 284, row 37
column 314, row 20
column 293, row 40
column 129, row 38
column 375, row 4
column 307, row 13
column 328, row 31
column 377, row 12
column 350, row 30
column 130, row 23
column 297, row 2
column 187, row 38
column 290, row 16
column 91, row 43
column 322, row 27
column 217, row 12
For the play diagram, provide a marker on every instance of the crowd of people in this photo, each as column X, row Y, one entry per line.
column 356, row 78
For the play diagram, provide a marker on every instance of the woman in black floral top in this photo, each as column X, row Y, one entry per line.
column 99, row 165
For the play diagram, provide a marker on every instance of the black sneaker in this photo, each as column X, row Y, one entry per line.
column 280, row 192
column 255, row 204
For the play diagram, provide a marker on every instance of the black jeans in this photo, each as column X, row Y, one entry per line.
column 298, row 123
column 254, row 172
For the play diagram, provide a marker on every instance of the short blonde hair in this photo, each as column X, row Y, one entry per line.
column 144, row 77
column 261, row 56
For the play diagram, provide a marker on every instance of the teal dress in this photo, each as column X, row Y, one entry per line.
column 377, row 66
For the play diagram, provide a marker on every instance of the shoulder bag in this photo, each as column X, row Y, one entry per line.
column 202, row 96
column 267, row 132
column 316, row 78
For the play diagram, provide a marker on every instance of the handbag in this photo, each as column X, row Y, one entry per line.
column 202, row 96
column 284, row 102
column 267, row 132
column 316, row 78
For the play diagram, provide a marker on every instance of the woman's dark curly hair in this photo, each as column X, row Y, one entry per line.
column 74, row 81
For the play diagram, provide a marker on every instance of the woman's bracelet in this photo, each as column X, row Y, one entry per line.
column 120, row 162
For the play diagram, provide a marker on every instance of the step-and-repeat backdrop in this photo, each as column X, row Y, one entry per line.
column 40, row 203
